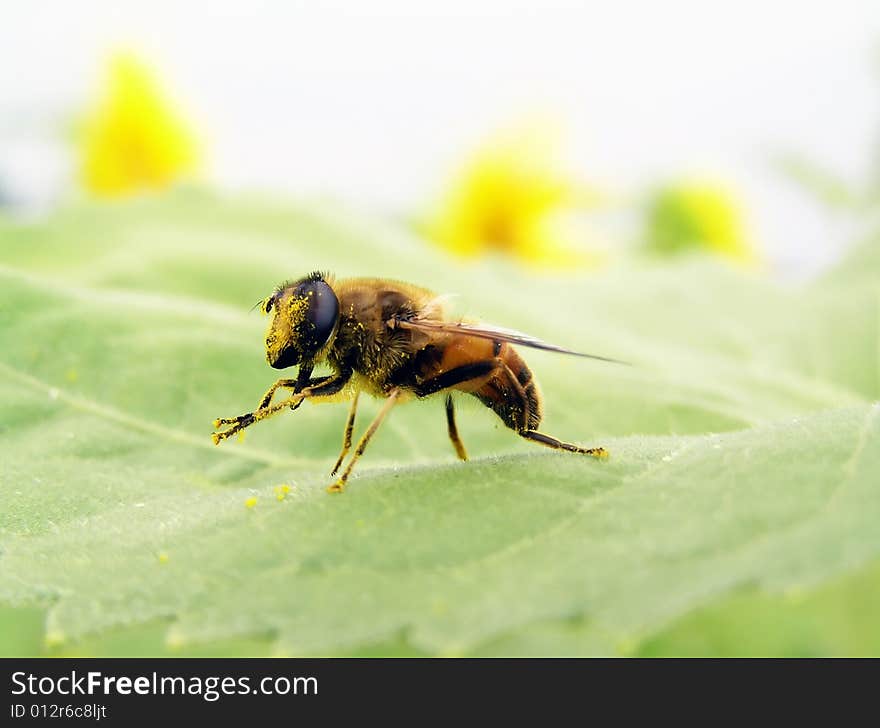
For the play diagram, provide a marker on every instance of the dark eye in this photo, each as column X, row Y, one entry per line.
column 322, row 313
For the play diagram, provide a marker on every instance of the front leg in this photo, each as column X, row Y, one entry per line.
column 302, row 381
column 280, row 384
column 237, row 424
column 318, row 387
column 265, row 400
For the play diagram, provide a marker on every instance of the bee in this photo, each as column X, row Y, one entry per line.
column 393, row 340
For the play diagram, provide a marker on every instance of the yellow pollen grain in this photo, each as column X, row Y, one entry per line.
column 163, row 557
column 250, row 502
column 55, row 638
column 175, row 641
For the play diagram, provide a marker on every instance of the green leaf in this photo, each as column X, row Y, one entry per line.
column 839, row 618
column 744, row 453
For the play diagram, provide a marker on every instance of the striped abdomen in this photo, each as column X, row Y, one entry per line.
column 509, row 389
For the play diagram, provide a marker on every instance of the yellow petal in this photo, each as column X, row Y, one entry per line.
column 133, row 139
column 509, row 198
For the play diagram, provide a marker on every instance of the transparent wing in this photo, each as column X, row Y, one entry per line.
column 493, row 333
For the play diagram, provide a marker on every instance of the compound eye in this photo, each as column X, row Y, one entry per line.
column 322, row 313
column 267, row 303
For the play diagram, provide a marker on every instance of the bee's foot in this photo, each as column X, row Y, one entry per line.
column 336, row 467
column 236, row 424
column 600, row 453
column 337, row 487
column 218, row 437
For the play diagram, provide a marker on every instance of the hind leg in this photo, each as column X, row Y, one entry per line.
column 548, row 441
column 517, row 416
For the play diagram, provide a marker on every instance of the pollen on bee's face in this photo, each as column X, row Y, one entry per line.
column 277, row 336
column 296, row 309
column 281, row 350
column 283, row 345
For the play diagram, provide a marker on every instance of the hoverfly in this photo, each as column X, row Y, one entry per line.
column 391, row 339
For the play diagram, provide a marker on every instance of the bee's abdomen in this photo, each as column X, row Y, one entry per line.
column 512, row 392
column 492, row 371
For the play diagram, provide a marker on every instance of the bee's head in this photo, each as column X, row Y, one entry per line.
column 306, row 315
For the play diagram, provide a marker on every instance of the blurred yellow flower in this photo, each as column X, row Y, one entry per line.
column 133, row 138
column 699, row 215
column 514, row 197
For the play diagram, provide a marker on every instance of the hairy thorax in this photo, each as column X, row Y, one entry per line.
column 366, row 343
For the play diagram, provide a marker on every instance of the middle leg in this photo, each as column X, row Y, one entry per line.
column 339, row 485
column 349, row 428
column 453, row 430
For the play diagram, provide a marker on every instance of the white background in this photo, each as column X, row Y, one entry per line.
column 376, row 102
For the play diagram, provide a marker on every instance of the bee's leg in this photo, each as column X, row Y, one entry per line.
column 297, row 386
column 339, row 485
column 540, row 437
column 246, row 420
column 267, row 398
column 459, row 375
column 477, row 370
column 264, row 403
column 453, row 430
column 349, row 428
column 449, row 379
column 321, row 387
column 547, row 440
